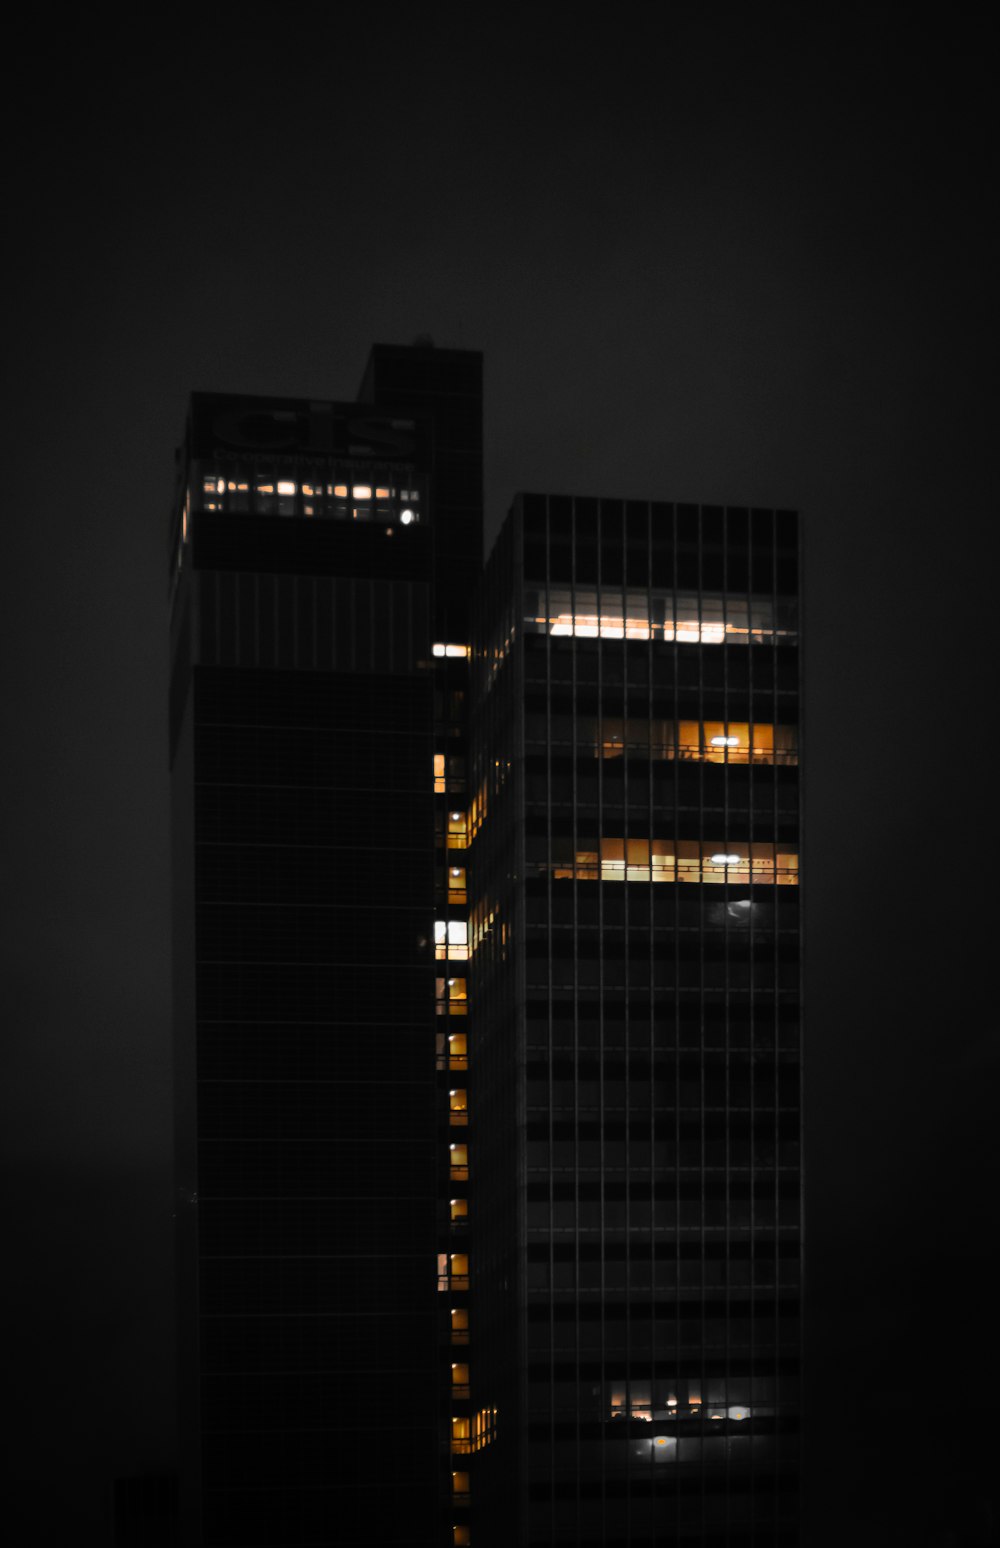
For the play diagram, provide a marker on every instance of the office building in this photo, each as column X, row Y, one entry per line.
column 634, row 1073
column 486, row 991
column 310, row 590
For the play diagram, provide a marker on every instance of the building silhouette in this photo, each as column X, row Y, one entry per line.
column 486, row 991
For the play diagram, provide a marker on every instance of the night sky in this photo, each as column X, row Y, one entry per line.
column 709, row 255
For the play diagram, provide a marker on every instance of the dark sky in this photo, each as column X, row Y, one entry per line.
column 709, row 255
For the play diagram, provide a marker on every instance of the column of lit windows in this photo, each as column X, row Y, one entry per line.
column 451, row 951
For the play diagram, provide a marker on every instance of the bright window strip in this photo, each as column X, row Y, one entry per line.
column 637, row 616
column 683, row 861
column 241, row 489
column 709, row 741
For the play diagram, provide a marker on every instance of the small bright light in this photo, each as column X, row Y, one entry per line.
column 725, row 859
column 450, row 982
column 725, row 741
column 286, row 487
column 437, row 650
column 406, row 517
column 455, row 871
column 456, row 816
column 452, row 1147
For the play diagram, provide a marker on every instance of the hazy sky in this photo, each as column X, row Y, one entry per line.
column 709, row 255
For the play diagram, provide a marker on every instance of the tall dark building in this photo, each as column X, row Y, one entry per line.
column 487, row 992
column 634, row 1075
column 317, row 551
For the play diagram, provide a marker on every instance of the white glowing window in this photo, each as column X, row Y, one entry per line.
column 286, row 486
column 362, row 491
column 407, row 516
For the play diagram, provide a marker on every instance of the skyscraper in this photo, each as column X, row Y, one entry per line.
column 634, row 971
column 486, row 941
column 308, row 586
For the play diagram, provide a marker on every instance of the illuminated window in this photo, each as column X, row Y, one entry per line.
column 459, row 1379
column 453, row 652
column 460, row 1275
column 460, row 1537
column 457, row 830
column 460, row 1488
column 460, row 1325
column 459, row 1159
column 451, row 998
column 461, row 1437
column 451, row 939
column 458, row 1056
column 458, row 1107
column 439, row 774
column 456, row 884
column 459, row 1209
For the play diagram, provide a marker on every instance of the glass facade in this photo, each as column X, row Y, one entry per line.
column 634, row 957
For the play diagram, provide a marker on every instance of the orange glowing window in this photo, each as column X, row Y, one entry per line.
column 459, row 1325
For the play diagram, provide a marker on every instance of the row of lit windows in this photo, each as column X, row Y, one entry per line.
column 675, row 860
column 618, row 614
column 233, row 489
column 705, row 741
